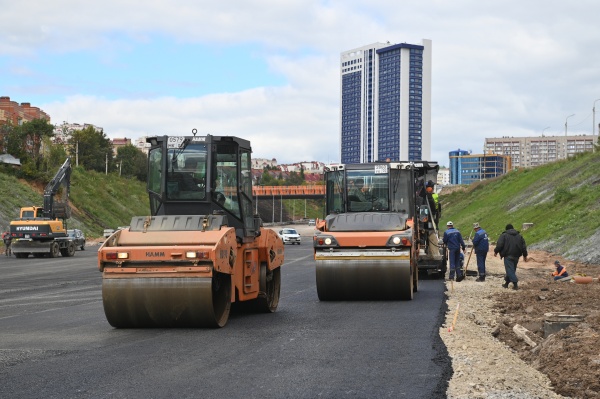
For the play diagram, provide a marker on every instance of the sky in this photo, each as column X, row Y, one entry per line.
column 268, row 70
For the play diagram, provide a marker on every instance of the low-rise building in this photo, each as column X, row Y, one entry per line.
column 15, row 113
column 539, row 150
column 467, row 168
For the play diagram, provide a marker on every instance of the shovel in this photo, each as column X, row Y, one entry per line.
column 467, row 265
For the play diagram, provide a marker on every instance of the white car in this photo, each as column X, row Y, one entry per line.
column 290, row 236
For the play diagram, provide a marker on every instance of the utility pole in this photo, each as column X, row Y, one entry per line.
column 304, row 208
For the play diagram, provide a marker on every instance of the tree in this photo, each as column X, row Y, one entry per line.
column 54, row 156
column 268, row 180
column 133, row 162
column 5, row 131
column 294, row 180
column 92, row 149
column 32, row 134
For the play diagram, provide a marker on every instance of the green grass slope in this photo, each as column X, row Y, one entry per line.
column 561, row 199
column 98, row 201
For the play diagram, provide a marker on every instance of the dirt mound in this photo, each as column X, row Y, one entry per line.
column 499, row 343
column 570, row 357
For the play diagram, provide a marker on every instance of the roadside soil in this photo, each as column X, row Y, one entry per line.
column 493, row 359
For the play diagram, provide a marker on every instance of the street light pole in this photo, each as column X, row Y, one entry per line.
column 273, row 215
column 545, row 130
column 566, row 123
column 594, row 125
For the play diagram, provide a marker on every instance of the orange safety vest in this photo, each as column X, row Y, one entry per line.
column 563, row 271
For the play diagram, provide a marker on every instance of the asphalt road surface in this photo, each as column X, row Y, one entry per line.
column 56, row 343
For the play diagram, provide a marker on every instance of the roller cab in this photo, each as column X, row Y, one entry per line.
column 200, row 250
column 367, row 246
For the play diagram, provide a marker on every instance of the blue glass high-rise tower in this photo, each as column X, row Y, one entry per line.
column 386, row 103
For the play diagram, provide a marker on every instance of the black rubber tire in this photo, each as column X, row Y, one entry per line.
column 69, row 250
column 415, row 279
column 54, row 250
column 270, row 288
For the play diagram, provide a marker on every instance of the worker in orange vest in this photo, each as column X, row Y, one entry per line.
column 560, row 272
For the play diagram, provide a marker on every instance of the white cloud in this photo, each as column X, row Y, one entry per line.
column 499, row 68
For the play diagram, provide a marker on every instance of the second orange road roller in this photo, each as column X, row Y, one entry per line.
column 200, row 249
column 368, row 245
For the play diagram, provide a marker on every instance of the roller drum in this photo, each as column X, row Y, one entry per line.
column 167, row 302
column 364, row 280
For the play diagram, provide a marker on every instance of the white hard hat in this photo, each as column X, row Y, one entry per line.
column 449, row 224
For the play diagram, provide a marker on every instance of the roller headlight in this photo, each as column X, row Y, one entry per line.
column 399, row 240
column 325, row 241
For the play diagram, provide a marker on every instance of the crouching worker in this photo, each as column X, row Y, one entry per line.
column 561, row 272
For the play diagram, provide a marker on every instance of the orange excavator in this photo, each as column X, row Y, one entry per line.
column 201, row 249
column 368, row 245
column 42, row 231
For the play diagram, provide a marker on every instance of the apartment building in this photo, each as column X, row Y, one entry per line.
column 534, row 151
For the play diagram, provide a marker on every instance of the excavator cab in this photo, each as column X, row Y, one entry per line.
column 31, row 212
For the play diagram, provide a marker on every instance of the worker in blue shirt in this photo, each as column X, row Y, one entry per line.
column 454, row 242
column 481, row 245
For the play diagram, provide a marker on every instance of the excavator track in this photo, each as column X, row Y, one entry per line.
column 364, row 279
column 167, row 302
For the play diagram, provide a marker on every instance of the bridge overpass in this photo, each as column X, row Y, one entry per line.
column 288, row 192
column 268, row 201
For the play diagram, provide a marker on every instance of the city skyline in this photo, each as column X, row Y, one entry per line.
column 273, row 77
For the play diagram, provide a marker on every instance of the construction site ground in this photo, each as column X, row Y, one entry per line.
column 489, row 359
column 492, row 358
